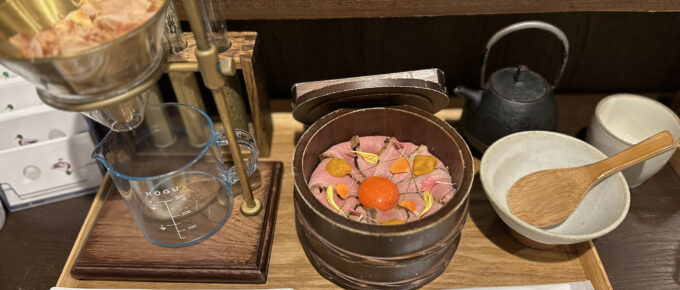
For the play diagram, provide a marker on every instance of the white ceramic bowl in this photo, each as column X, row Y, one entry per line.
column 622, row 120
column 519, row 154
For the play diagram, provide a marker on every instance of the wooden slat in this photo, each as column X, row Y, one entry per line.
column 318, row 9
column 675, row 159
column 592, row 265
column 675, row 162
column 242, row 46
column 102, row 195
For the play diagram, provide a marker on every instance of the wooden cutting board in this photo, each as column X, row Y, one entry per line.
column 239, row 252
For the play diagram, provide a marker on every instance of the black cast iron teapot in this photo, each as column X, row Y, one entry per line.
column 514, row 99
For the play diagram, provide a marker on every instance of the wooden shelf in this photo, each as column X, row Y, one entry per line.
column 323, row 9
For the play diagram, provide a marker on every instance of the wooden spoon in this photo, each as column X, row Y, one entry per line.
column 547, row 197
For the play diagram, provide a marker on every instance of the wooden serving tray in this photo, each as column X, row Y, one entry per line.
column 238, row 252
column 487, row 255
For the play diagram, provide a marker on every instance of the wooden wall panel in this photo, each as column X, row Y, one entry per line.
column 322, row 9
column 610, row 51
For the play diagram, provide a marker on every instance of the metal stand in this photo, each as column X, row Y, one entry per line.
column 206, row 55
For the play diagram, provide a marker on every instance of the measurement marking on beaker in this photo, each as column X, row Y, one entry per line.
column 173, row 220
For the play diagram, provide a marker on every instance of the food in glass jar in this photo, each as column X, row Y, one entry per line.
column 95, row 22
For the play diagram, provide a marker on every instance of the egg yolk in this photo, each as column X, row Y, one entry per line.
column 378, row 192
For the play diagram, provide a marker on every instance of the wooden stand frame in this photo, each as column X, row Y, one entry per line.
column 243, row 51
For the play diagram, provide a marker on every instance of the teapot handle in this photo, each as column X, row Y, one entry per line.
column 526, row 25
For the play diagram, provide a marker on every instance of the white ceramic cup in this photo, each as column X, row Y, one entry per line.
column 623, row 120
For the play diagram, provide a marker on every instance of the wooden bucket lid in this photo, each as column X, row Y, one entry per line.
column 423, row 89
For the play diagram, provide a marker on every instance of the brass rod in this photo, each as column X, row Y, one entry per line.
column 206, row 55
column 250, row 206
column 182, row 67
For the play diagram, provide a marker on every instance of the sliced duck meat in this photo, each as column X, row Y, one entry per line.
column 417, row 200
column 358, row 213
column 370, row 144
column 361, row 164
column 400, row 178
column 435, row 207
column 321, row 179
column 442, row 193
column 411, row 188
column 349, row 204
column 380, row 216
column 391, row 152
column 373, row 144
column 346, row 205
column 417, row 183
column 343, row 151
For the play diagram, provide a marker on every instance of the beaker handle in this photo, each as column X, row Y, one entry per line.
column 246, row 140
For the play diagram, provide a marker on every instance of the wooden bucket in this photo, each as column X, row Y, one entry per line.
column 357, row 255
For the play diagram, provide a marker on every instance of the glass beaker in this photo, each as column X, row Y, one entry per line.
column 178, row 194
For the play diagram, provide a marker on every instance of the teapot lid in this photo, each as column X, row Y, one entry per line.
column 519, row 84
column 423, row 89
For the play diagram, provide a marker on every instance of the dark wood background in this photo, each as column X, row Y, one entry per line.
column 610, row 51
column 325, row 9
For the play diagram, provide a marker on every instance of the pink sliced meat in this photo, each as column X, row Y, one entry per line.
column 365, row 168
column 438, row 175
column 442, row 193
column 349, row 204
column 322, row 179
column 372, row 144
column 395, row 213
column 346, row 205
column 411, row 149
column 435, row 207
column 388, row 149
column 342, row 151
column 392, row 152
column 400, row 177
column 417, row 200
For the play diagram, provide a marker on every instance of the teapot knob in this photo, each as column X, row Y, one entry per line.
column 520, row 73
